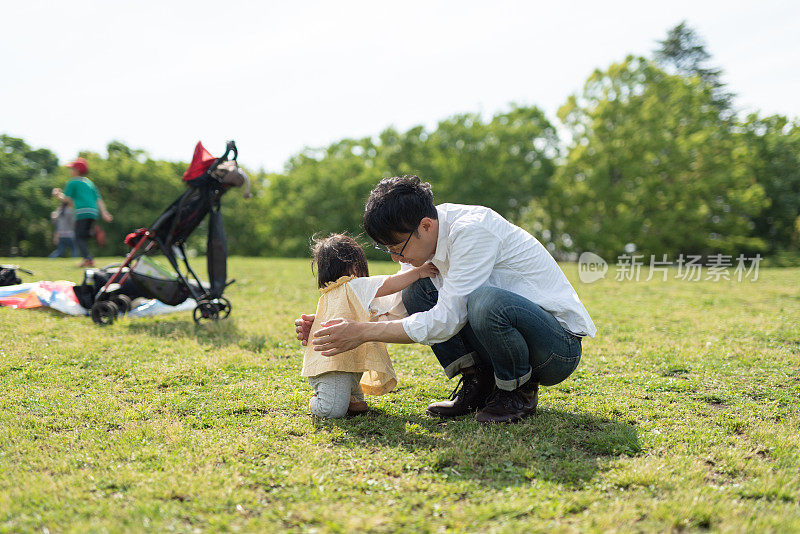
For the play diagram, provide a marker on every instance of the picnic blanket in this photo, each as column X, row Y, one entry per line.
column 60, row 296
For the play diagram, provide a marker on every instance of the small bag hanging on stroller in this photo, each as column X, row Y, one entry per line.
column 207, row 178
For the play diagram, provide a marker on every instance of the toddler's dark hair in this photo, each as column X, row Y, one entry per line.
column 335, row 256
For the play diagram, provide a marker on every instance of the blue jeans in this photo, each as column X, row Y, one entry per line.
column 505, row 332
column 63, row 243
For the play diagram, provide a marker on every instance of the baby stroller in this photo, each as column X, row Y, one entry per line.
column 207, row 178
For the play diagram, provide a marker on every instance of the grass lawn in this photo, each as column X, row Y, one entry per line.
column 683, row 415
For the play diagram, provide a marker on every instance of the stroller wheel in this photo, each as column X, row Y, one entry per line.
column 123, row 303
column 205, row 310
column 104, row 312
column 224, row 307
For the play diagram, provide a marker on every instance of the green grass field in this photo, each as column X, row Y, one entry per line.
column 682, row 416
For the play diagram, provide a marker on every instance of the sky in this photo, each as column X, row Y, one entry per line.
column 280, row 76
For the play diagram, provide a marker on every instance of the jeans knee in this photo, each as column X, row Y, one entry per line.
column 480, row 305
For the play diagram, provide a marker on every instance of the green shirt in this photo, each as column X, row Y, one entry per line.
column 84, row 195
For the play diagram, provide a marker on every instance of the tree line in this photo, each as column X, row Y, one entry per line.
column 656, row 160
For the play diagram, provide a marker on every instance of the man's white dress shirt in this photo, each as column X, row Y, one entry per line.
column 477, row 247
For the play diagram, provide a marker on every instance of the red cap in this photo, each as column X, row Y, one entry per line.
column 79, row 165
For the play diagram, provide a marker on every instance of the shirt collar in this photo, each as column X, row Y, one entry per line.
column 441, row 240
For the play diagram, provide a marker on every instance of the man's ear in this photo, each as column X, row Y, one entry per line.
column 425, row 224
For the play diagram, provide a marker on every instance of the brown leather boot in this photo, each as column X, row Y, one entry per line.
column 510, row 406
column 476, row 385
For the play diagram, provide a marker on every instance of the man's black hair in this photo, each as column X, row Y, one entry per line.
column 335, row 256
column 396, row 206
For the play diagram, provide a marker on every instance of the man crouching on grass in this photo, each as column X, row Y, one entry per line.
column 500, row 313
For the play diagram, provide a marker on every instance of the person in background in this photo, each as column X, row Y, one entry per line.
column 64, row 235
column 85, row 199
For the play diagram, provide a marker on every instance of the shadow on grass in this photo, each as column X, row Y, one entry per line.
column 568, row 448
column 219, row 334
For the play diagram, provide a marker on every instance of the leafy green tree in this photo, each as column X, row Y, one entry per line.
column 774, row 160
column 27, row 176
column 322, row 191
column 653, row 164
column 501, row 163
column 247, row 230
column 684, row 53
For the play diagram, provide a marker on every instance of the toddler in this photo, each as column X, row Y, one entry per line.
column 349, row 292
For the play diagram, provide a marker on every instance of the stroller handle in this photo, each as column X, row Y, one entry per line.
column 230, row 147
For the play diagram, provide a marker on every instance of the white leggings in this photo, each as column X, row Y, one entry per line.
column 332, row 393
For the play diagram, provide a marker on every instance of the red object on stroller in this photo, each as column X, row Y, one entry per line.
column 207, row 178
column 201, row 161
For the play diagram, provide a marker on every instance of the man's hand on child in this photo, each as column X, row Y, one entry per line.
column 337, row 335
column 428, row 270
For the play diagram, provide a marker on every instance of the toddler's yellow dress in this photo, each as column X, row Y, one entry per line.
column 339, row 300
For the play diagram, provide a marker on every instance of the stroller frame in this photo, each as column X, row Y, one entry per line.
column 109, row 301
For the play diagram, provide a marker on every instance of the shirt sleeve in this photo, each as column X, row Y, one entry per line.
column 390, row 305
column 70, row 189
column 472, row 256
column 365, row 288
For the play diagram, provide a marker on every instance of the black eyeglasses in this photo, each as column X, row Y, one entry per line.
column 399, row 254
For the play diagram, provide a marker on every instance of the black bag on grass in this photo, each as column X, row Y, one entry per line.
column 8, row 275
